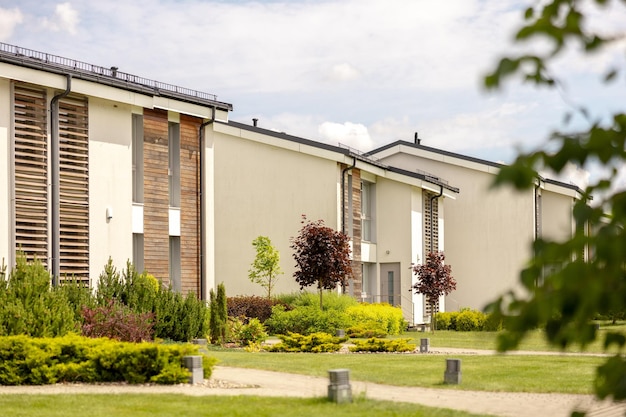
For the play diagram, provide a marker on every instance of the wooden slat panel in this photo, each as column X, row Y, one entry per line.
column 31, row 170
column 74, row 187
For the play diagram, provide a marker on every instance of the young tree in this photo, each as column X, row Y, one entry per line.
column 434, row 280
column 322, row 256
column 564, row 300
column 218, row 320
column 266, row 265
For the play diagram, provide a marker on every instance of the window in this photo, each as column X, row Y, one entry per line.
column 174, row 163
column 367, row 211
column 137, row 150
column 138, row 252
column 390, row 287
column 175, row 281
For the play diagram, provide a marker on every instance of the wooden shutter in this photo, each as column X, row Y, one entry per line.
column 74, row 188
column 31, row 172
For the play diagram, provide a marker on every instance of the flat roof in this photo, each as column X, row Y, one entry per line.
column 108, row 76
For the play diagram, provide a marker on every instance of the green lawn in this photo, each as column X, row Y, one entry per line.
column 133, row 405
column 564, row 374
column 534, row 340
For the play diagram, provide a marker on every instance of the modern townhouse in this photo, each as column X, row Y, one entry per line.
column 97, row 163
column 489, row 232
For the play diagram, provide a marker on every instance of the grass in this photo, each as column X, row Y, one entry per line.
column 509, row 373
column 134, row 405
column 534, row 341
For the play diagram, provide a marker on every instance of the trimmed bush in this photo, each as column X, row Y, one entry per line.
column 36, row 361
column 248, row 307
column 468, row 320
column 306, row 320
column 380, row 318
column 315, row 342
column 382, row 345
column 361, row 331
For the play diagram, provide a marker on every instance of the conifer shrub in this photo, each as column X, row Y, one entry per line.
column 71, row 358
column 315, row 343
column 29, row 305
column 382, row 345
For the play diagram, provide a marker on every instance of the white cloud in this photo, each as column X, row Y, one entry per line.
column 65, row 19
column 9, row 19
column 354, row 135
column 570, row 174
column 343, row 72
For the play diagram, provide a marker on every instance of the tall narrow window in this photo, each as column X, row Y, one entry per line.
column 391, row 287
column 175, row 281
column 174, row 163
column 367, row 211
column 137, row 150
column 138, row 252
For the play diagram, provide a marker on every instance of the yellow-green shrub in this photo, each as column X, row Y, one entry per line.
column 380, row 317
column 381, row 345
column 72, row 358
column 315, row 342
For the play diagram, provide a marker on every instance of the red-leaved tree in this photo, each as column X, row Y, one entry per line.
column 322, row 256
column 434, row 280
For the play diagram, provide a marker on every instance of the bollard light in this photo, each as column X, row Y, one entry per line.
column 339, row 389
column 194, row 365
column 424, row 345
column 452, row 375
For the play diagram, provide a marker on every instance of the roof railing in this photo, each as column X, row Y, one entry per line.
column 83, row 67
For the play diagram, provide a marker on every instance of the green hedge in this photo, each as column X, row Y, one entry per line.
column 467, row 320
column 72, row 358
column 381, row 318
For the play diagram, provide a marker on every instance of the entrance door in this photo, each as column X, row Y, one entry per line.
column 390, row 290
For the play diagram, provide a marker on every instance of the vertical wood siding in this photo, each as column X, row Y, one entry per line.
column 156, row 194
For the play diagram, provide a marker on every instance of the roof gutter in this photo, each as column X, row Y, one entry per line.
column 56, row 181
column 202, row 213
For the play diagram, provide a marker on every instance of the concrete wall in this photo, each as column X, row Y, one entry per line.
column 110, row 184
column 260, row 189
column 487, row 233
column 556, row 215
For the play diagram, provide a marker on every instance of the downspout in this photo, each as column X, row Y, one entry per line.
column 432, row 198
column 55, row 150
column 343, row 194
column 202, row 213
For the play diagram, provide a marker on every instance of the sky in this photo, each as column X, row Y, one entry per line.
column 361, row 73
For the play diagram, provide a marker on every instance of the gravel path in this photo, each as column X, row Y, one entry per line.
column 240, row 381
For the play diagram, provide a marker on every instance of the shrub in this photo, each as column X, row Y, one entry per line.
column 72, row 358
column 446, row 320
column 28, row 305
column 250, row 307
column 218, row 317
column 469, row 320
column 315, row 342
column 361, row 331
column 246, row 334
column 117, row 321
column 306, row 320
column 381, row 345
column 331, row 300
column 379, row 318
